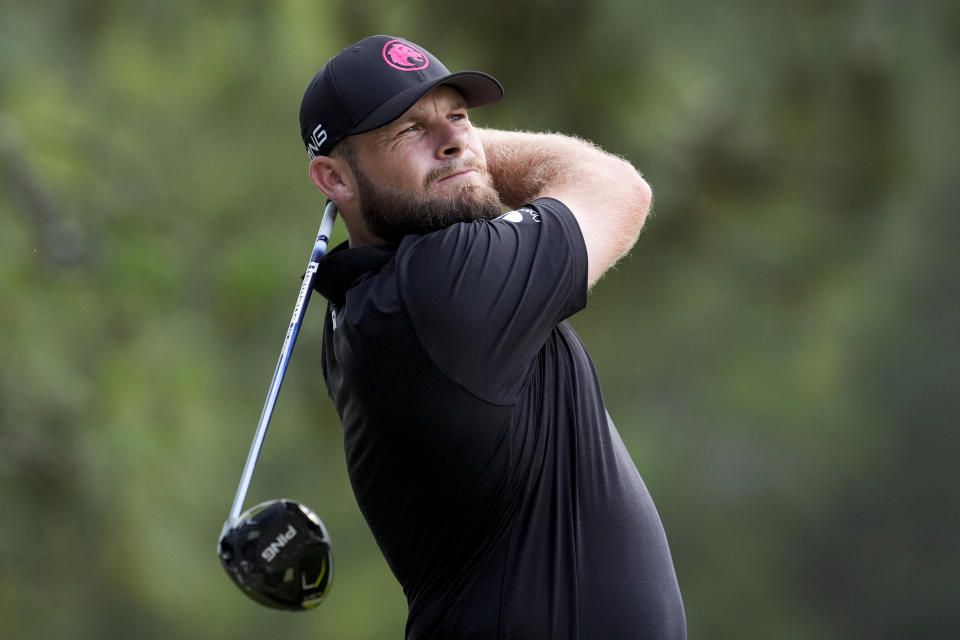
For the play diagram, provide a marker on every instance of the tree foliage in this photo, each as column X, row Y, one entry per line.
column 779, row 351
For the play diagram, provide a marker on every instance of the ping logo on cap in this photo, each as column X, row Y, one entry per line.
column 317, row 138
column 403, row 56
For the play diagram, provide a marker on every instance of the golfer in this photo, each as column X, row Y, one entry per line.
column 477, row 441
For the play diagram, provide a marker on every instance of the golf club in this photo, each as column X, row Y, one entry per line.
column 278, row 552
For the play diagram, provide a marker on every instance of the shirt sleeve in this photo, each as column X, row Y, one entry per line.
column 483, row 297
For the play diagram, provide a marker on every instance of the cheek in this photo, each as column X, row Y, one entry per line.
column 388, row 173
column 412, row 173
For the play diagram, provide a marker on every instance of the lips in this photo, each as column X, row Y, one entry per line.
column 449, row 172
column 452, row 170
column 458, row 173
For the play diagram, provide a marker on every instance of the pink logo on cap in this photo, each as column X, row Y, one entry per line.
column 400, row 55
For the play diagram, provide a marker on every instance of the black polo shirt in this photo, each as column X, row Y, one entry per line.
column 477, row 441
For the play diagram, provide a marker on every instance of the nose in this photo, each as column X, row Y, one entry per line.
column 453, row 141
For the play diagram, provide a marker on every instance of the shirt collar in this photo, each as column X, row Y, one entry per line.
column 342, row 267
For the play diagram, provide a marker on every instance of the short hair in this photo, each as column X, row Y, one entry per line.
column 345, row 149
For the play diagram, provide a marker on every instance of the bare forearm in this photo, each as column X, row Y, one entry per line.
column 606, row 194
column 523, row 164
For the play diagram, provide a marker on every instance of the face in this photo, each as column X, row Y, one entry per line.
column 424, row 171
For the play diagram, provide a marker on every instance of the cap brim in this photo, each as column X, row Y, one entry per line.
column 477, row 88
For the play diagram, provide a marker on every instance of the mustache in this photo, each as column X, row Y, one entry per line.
column 452, row 167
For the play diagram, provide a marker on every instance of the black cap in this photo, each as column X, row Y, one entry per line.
column 372, row 83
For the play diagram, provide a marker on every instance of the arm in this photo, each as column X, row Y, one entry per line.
column 607, row 196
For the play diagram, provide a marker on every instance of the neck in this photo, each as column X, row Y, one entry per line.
column 357, row 233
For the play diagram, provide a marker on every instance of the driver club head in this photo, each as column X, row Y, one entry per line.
column 279, row 554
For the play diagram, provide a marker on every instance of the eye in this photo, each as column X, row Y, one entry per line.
column 461, row 115
column 413, row 128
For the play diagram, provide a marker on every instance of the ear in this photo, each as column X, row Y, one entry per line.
column 334, row 177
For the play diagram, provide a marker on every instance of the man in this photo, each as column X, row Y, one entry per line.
column 477, row 442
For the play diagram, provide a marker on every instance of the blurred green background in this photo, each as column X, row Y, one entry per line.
column 780, row 351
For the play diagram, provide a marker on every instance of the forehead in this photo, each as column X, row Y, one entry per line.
column 439, row 99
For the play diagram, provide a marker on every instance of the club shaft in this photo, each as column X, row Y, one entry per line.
column 319, row 248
